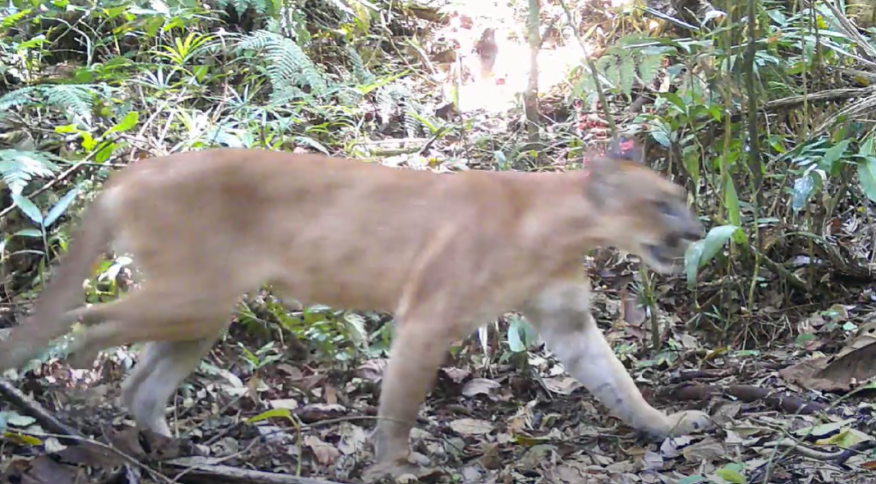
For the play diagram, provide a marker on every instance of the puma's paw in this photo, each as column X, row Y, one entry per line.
column 688, row 422
column 398, row 470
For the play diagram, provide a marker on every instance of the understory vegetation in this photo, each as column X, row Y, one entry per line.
column 762, row 109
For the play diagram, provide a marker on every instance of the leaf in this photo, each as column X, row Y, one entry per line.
column 479, row 386
column 284, row 404
column 129, row 121
column 627, row 73
column 325, row 453
column 867, row 177
column 32, row 233
column 471, row 426
column 28, row 208
column 60, row 207
column 273, row 413
column 731, row 202
column 18, row 420
column 803, row 187
column 514, row 341
column 649, row 67
column 730, row 475
column 833, row 154
column 715, row 241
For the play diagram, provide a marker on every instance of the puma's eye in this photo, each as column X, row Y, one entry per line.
column 664, row 208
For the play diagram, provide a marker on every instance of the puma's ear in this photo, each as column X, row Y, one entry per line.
column 625, row 148
column 600, row 179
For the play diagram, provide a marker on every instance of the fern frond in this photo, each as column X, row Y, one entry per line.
column 76, row 98
column 287, row 64
column 18, row 97
column 362, row 74
column 18, row 168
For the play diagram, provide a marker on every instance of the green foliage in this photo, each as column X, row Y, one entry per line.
column 73, row 99
column 19, row 168
column 262, row 7
column 633, row 59
column 288, row 67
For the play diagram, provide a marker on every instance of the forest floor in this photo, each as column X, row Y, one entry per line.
column 494, row 416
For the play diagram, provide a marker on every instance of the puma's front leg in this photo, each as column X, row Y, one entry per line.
column 418, row 348
column 562, row 315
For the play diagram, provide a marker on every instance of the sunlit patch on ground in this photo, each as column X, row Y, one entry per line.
column 510, row 78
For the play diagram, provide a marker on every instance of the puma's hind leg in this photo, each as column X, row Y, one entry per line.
column 162, row 368
column 562, row 315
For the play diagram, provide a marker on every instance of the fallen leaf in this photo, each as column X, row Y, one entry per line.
column 325, row 453
column 18, row 420
column 321, row 411
column 805, row 374
column 564, row 385
column 353, row 438
column 470, row 426
column 372, row 370
column 652, row 461
column 858, row 364
column 292, row 373
column 705, row 450
column 287, row 403
column 479, row 386
column 456, row 375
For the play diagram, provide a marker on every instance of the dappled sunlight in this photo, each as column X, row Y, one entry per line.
column 510, row 75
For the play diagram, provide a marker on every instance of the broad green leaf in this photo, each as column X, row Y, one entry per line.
column 105, row 152
column 867, row 146
column 60, row 207
column 703, row 251
column 129, row 121
column 834, row 153
column 514, row 341
column 691, row 261
column 715, row 241
column 28, row 207
column 867, row 176
column 731, row 202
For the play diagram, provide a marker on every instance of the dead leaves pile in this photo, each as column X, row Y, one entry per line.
column 495, row 420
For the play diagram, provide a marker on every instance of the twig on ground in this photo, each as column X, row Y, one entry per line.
column 33, row 409
column 745, row 393
column 235, row 474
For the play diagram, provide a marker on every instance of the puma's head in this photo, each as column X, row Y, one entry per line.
column 643, row 212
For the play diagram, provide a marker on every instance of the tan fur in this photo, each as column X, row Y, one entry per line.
column 445, row 253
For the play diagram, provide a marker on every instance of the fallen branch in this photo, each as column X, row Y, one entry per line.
column 195, row 467
column 31, row 408
column 745, row 393
column 688, row 375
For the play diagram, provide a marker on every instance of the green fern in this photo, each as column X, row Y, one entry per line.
column 18, row 168
column 288, row 66
column 358, row 64
column 77, row 98
column 396, row 97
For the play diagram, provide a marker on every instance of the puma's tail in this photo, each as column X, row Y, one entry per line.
column 62, row 293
